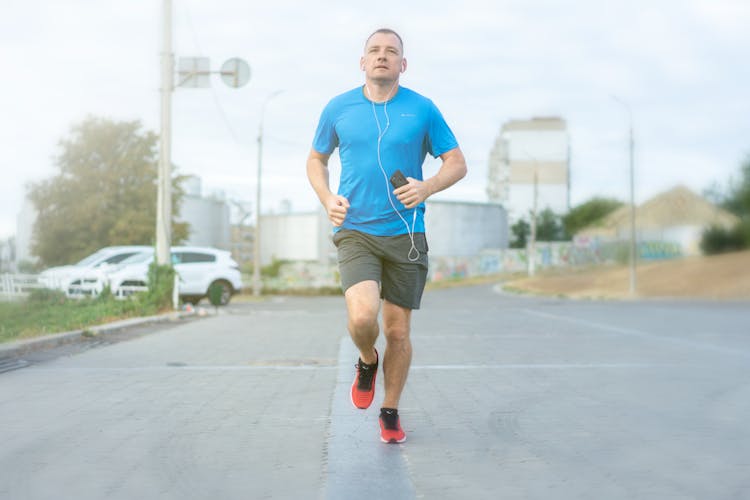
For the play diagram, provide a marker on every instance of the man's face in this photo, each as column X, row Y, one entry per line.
column 383, row 59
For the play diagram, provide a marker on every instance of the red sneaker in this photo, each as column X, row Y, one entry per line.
column 390, row 426
column 363, row 388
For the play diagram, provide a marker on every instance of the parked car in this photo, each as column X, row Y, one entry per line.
column 102, row 260
column 89, row 282
column 198, row 268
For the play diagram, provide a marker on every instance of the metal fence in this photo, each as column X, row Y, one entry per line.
column 17, row 286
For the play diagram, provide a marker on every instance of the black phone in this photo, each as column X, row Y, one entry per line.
column 398, row 179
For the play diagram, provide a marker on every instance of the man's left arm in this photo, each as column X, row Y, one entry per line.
column 452, row 170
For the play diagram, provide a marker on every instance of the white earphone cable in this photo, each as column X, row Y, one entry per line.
column 381, row 133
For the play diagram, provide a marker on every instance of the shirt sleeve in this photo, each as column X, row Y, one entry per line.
column 326, row 139
column 441, row 138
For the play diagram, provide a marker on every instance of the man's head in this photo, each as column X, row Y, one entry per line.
column 385, row 31
column 383, row 59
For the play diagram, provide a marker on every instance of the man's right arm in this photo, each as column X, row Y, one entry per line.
column 317, row 172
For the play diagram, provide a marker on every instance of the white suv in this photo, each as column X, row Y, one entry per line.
column 105, row 259
column 197, row 268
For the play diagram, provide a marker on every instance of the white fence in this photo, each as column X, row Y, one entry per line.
column 16, row 286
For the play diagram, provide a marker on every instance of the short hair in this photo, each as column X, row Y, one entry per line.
column 387, row 31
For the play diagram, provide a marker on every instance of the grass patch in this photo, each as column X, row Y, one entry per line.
column 46, row 311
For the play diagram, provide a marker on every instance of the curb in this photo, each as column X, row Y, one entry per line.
column 20, row 347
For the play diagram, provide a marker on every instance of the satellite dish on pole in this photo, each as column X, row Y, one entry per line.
column 235, row 72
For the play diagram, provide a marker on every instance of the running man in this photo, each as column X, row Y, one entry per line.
column 381, row 128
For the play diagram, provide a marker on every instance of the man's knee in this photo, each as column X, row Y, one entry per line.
column 363, row 306
column 363, row 321
column 397, row 332
column 396, row 322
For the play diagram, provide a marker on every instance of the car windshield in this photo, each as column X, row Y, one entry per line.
column 137, row 258
column 93, row 258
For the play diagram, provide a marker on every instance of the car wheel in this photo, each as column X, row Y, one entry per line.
column 226, row 291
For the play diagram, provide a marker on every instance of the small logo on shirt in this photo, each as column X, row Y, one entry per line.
column 408, row 115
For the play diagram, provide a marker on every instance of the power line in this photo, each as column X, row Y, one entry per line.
column 217, row 103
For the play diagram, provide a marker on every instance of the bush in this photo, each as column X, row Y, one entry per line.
column 214, row 294
column 520, row 231
column 105, row 295
column 273, row 269
column 717, row 239
column 46, row 296
column 160, row 286
column 29, row 267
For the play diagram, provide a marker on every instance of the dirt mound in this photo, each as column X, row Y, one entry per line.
column 717, row 277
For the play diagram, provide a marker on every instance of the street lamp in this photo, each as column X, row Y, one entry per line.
column 633, row 256
column 257, row 284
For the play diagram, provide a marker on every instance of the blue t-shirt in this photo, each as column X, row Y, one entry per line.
column 413, row 127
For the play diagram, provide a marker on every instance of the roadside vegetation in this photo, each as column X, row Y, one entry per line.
column 735, row 198
column 554, row 227
column 50, row 311
column 102, row 193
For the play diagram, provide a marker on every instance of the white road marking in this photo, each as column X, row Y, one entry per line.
column 637, row 333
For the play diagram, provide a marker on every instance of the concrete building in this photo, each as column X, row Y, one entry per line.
column 453, row 229
column 460, row 229
column 208, row 217
column 209, row 222
column 528, row 157
column 241, row 246
column 296, row 237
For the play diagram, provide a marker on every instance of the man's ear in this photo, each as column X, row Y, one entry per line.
column 403, row 65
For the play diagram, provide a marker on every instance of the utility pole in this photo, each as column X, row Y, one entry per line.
column 164, row 185
column 531, row 247
column 633, row 248
column 532, row 238
column 257, row 283
column 235, row 73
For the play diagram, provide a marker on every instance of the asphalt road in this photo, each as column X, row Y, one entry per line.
column 508, row 397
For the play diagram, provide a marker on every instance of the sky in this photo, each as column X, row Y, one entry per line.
column 680, row 65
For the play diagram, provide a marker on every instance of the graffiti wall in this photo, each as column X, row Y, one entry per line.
column 312, row 275
column 548, row 255
column 502, row 261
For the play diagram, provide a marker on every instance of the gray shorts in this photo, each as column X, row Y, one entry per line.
column 384, row 259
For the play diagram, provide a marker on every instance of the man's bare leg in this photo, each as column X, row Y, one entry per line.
column 397, row 356
column 363, row 306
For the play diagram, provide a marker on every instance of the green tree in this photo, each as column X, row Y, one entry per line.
column 103, row 194
column 736, row 199
column 549, row 226
column 716, row 239
column 588, row 213
column 520, row 230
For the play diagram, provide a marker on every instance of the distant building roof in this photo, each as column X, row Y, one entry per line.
column 536, row 124
column 677, row 207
